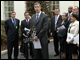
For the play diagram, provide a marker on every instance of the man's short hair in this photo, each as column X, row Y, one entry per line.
column 70, row 7
column 37, row 4
column 77, row 7
column 26, row 12
column 13, row 12
column 58, row 9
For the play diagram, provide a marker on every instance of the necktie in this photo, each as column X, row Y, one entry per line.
column 37, row 18
column 27, row 22
column 55, row 22
column 14, row 22
column 69, row 15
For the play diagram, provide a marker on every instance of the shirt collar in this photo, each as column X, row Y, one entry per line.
column 26, row 20
column 39, row 13
column 70, row 13
column 12, row 19
column 57, row 16
column 74, row 23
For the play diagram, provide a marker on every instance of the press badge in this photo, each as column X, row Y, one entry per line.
column 16, row 27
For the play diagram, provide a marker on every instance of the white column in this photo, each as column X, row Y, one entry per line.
column 76, row 3
column 20, row 8
column 2, row 11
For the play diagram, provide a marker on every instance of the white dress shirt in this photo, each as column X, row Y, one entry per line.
column 57, row 17
column 39, row 14
column 70, row 14
column 28, row 20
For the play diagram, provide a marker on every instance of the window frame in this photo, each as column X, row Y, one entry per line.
column 9, row 9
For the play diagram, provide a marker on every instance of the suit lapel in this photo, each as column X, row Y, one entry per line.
column 11, row 22
column 39, row 18
column 34, row 19
column 26, row 22
column 58, row 19
column 54, row 20
column 16, row 22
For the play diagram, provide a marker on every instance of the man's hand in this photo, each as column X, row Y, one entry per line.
column 25, row 42
column 78, row 44
column 35, row 38
column 57, row 31
column 67, row 42
column 51, row 34
column 71, row 41
column 27, row 32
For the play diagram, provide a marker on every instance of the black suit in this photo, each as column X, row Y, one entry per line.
column 12, row 37
column 63, row 43
column 78, row 16
column 25, row 25
column 54, row 33
column 41, row 27
column 48, row 29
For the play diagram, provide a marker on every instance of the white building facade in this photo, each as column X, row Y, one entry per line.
column 20, row 7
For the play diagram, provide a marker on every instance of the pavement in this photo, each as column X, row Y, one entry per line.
column 50, row 47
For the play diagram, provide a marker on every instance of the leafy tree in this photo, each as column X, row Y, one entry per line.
column 44, row 4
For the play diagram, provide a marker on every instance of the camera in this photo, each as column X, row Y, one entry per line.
column 30, row 36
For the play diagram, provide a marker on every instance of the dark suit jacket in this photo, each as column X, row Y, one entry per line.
column 41, row 27
column 24, row 25
column 53, row 23
column 78, row 16
column 66, row 24
column 69, row 19
column 11, row 31
column 48, row 29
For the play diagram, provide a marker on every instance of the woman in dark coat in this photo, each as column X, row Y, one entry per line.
column 62, row 39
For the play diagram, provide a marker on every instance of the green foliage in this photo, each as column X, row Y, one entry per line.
column 44, row 5
column 3, row 35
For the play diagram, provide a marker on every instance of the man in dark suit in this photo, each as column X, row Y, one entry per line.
column 11, row 28
column 25, row 24
column 69, row 12
column 78, row 12
column 75, row 10
column 54, row 22
column 40, row 21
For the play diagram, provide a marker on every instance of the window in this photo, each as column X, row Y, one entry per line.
column 53, row 5
column 8, row 8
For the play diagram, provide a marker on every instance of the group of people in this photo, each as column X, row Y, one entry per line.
column 41, row 22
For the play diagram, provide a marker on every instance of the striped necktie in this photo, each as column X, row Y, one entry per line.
column 27, row 22
column 55, row 22
column 37, row 18
column 14, row 22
